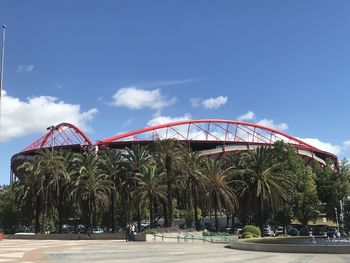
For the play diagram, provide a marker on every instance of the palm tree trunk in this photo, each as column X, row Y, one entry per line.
column 90, row 218
column 227, row 219
column 151, row 212
column 216, row 215
column 261, row 213
column 195, row 207
column 113, row 211
column 44, row 214
column 233, row 221
column 37, row 214
column 169, row 173
column 165, row 212
column 139, row 217
column 60, row 211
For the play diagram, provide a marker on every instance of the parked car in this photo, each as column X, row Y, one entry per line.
column 267, row 231
column 333, row 232
column 238, row 230
column 279, row 231
column 318, row 231
column 80, row 229
column 293, row 232
column 209, row 226
column 97, row 230
column 305, row 231
column 67, row 229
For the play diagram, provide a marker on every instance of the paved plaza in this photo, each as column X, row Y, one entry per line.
column 50, row 251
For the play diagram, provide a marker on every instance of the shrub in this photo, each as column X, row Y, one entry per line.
column 207, row 233
column 255, row 231
column 247, row 235
column 151, row 231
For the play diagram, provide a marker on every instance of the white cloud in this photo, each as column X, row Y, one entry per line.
column 325, row 146
column 167, row 119
column 134, row 98
column 195, row 102
column 346, row 144
column 25, row 68
column 35, row 114
column 166, row 82
column 214, row 103
column 247, row 116
column 271, row 124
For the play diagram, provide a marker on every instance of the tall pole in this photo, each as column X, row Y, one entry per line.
column 2, row 64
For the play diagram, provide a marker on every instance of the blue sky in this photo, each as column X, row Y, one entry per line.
column 286, row 63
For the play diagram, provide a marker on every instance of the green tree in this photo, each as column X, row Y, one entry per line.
column 90, row 186
column 267, row 186
column 138, row 157
column 170, row 156
column 192, row 182
column 305, row 199
column 62, row 193
column 113, row 164
column 9, row 210
column 219, row 194
column 151, row 187
column 48, row 170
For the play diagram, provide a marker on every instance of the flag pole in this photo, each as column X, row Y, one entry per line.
column 2, row 65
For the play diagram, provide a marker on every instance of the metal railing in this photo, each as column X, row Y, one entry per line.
column 188, row 237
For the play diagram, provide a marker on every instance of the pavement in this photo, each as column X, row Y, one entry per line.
column 59, row 251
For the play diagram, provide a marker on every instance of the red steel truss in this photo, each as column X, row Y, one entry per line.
column 210, row 130
column 215, row 130
column 61, row 135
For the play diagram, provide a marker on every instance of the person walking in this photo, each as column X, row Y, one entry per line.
column 132, row 232
column 127, row 232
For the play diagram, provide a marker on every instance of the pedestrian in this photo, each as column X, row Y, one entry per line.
column 127, row 232
column 132, row 232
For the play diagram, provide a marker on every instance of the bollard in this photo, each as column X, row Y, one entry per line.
column 162, row 238
column 1, row 236
column 178, row 239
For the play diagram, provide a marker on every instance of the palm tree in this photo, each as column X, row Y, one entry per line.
column 192, row 181
column 48, row 170
column 237, row 161
column 63, row 191
column 91, row 187
column 268, row 187
column 138, row 157
column 112, row 164
column 150, row 186
column 170, row 154
column 219, row 193
column 27, row 192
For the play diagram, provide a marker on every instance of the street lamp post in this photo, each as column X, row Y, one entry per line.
column 336, row 217
column 52, row 128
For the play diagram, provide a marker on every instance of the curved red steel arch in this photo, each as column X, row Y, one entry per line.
column 238, row 124
column 161, row 126
column 61, row 134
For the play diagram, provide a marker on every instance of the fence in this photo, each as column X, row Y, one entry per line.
column 188, row 237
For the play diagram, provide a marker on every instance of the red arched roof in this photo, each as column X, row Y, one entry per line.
column 60, row 135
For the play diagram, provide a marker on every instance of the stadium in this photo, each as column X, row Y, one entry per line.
column 211, row 137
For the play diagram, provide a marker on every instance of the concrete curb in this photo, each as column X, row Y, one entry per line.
column 253, row 245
